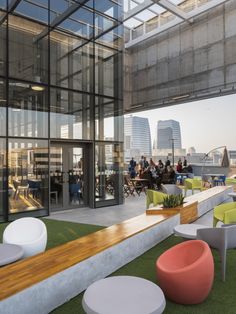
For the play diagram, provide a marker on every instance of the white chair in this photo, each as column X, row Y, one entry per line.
column 29, row 233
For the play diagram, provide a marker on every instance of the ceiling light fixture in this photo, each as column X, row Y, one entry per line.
column 36, row 87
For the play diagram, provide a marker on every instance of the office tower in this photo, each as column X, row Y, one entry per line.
column 137, row 134
column 167, row 132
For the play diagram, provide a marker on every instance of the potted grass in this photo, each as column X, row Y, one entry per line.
column 174, row 204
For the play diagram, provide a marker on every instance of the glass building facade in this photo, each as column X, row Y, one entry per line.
column 61, row 107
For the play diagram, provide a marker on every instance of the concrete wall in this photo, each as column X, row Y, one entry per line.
column 197, row 59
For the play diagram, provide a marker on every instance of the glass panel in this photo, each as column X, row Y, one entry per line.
column 80, row 23
column 108, row 72
column 109, row 8
column 108, row 120
column 28, row 55
column 3, row 4
column 71, row 62
column 3, row 102
column 28, row 110
column 2, row 49
column 108, row 170
column 36, row 10
column 28, row 175
column 70, row 114
column 113, row 38
column 3, row 179
column 66, row 176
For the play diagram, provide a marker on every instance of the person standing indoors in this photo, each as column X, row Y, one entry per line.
column 185, row 162
column 132, row 166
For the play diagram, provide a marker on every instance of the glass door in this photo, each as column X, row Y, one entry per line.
column 67, row 182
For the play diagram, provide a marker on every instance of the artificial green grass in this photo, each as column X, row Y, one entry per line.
column 221, row 299
column 60, row 232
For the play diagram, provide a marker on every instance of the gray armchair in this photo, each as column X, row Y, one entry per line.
column 171, row 189
column 221, row 239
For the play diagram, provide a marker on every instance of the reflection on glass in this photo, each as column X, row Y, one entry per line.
column 3, row 178
column 3, row 4
column 108, row 74
column 27, row 53
column 36, row 10
column 70, row 115
column 112, row 38
column 71, row 62
column 108, row 171
column 3, row 103
column 2, row 48
column 108, row 120
column 28, row 175
column 66, row 177
column 109, row 8
column 28, row 111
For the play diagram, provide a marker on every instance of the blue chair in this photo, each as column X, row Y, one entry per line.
column 75, row 191
column 219, row 181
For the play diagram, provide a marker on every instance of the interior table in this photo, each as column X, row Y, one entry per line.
column 10, row 253
column 123, row 295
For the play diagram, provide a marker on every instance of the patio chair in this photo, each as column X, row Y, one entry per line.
column 206, row 181
column 219, row 181
column 185, row 272
column 29, row 233
column 128, row 186
column 154, row 197
column 225, row 212
column 221, row 239
column 192, row 184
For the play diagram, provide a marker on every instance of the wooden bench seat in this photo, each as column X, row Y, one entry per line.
column 23, row 274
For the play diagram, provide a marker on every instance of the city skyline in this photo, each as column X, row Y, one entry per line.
column 204, row 124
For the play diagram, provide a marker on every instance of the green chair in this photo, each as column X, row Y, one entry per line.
column 192, row 184
column 225, row 212
column 230, row 181
column 154, row 197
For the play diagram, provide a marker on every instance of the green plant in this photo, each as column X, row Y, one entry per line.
column 173, row 200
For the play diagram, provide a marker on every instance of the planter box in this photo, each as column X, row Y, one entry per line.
column 188, row 211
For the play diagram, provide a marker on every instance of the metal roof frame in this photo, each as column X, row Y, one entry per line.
column 180, row 16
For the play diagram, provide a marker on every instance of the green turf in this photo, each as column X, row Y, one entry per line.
column 60, row 232
column 221, row 299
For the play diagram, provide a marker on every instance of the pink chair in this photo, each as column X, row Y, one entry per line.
column 185, row 272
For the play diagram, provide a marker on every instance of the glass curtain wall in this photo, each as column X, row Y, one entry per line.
column 60, row 81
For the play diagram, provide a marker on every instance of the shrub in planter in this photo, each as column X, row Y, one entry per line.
column 173, row 200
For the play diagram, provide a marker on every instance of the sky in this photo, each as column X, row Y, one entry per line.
column 204, row 124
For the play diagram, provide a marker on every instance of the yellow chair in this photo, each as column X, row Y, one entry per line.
column 231, row 181
column 225, row 212
column 192, row 184
column 154, row 197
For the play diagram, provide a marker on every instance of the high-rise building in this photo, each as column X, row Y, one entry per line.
column 137, row 137
column 168, row 131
